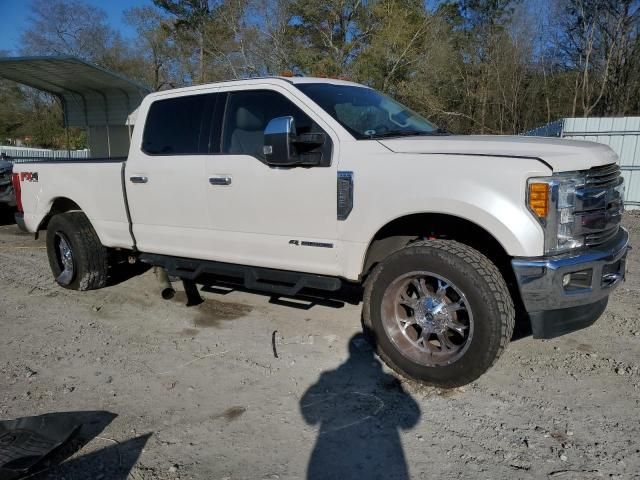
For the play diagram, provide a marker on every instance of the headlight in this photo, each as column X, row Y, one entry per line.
column 552, row 201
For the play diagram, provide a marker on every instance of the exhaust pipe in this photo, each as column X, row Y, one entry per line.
column 166, row 289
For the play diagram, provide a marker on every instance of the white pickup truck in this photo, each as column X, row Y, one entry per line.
column 304, row 183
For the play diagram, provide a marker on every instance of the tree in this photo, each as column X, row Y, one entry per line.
column 72, row 27
column 11, row 110
column 42, row 124
column 473, row 66
column 328, row 34
column 273, row 49
column 156, row 47
column 396, row 44
column 68, row 27
column 600, row 39
column 205, row 32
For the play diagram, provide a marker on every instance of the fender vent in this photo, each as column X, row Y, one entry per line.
column 345, row 194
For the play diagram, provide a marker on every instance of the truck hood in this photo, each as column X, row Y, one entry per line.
column 562, row 155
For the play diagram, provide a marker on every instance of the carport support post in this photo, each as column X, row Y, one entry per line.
column 65, row 116
column 68, row 142
column 107, row 120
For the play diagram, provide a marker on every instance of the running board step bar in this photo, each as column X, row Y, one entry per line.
column 280, row 282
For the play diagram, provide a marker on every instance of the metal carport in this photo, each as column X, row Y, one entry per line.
column 91, row 97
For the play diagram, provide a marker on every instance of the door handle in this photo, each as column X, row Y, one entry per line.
column 138, row 179
column 220, row 180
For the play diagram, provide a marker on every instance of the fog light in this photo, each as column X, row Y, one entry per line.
column 579, row 280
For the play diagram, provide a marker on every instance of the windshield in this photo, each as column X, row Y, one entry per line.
column 366, row 113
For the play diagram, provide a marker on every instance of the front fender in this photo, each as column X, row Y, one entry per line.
column 514, row 229
column 487, row 191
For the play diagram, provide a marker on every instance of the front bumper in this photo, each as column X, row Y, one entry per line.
column 567, row 292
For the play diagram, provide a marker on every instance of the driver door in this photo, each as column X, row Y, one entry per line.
column 282, row 218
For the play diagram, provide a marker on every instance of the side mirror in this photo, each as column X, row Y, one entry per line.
column 278, row 142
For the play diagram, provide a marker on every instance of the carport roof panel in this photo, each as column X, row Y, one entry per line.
column 91, row 95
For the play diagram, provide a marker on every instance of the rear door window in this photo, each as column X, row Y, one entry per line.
column 179, row 126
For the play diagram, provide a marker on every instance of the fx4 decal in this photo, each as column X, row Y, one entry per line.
column 28, row 176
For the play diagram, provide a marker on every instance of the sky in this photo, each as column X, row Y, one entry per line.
column 14, row 16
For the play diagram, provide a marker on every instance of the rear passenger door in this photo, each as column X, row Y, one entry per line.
column 165, row 177
column 283, row 218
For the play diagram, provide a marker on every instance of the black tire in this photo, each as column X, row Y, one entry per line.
column 89, row 256
column 484, row 290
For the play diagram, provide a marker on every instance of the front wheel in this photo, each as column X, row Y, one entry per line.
column 77, row 259
column 439, row 312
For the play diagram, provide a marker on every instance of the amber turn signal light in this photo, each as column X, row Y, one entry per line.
column 539, row 198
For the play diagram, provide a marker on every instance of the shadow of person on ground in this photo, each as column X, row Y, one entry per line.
column 360, row 410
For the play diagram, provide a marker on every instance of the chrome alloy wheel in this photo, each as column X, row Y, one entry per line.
column 427, row 318
column 66, row 262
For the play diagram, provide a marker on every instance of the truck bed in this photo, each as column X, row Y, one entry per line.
column 94, row 184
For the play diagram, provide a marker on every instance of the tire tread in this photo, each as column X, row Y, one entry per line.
column 483, row 266
column 91, row 255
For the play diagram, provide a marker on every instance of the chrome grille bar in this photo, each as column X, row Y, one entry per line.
column 599, row 238
column 603, row 176
column 599, row 204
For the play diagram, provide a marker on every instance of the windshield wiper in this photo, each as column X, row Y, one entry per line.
column 408, row 133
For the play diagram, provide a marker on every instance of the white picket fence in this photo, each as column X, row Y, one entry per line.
column 17, row 153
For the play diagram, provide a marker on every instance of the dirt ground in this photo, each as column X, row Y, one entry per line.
column 171, row 392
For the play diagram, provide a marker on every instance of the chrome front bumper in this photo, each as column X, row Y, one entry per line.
column 557, row 290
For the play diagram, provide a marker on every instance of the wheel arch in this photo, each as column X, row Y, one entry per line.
column 58, row 205
column 87, row 264
column 401, row 231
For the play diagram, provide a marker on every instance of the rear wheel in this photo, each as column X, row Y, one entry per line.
column 438, row 312
column 77, row 258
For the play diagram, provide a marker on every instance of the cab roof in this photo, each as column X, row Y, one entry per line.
column 256, row 81
column 334, row 81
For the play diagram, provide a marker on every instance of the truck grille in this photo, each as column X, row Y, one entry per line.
column 599, row 204
column 605, row 176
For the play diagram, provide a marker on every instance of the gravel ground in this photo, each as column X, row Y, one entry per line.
column 173, row 392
